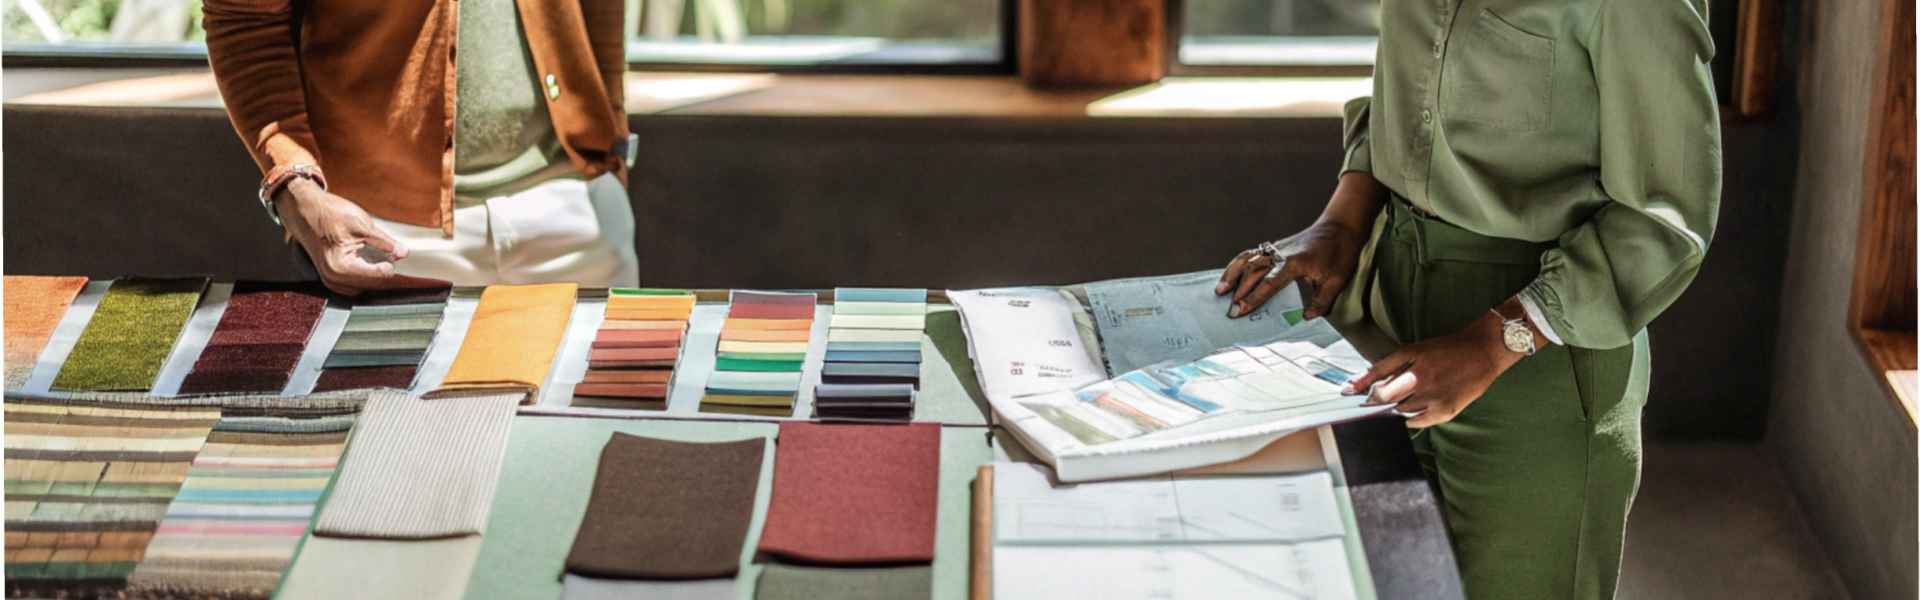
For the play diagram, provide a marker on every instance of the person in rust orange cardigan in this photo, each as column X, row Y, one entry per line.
column 477, row 141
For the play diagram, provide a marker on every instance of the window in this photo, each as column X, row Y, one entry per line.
column 1277, row 33
column 829, row 33
column 106, row 28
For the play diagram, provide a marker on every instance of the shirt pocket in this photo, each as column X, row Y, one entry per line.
column 1499, row 75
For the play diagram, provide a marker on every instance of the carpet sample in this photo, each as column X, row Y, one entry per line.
column 848, row 494
column 259, row 339
column 87, row 486
column 663, row 509
column 34, row 307
column 131, row 334
column 232, row 530
column 386, row 336
column 420, row 469
column 510, row 344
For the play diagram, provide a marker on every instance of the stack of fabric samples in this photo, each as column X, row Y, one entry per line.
column 763, row 345
column 259, row 340
column 386, row 336
column 873, row 355
column 632, row 359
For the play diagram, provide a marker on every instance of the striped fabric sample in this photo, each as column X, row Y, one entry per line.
column 763, row 345
column 86, row 486
column 420, row 468
column 632, row 358
column 232, row 530
column 259, row 340
column 873, row 355
column 359, row 360
column 131, row 333
column 510, row 344
column 34, row 306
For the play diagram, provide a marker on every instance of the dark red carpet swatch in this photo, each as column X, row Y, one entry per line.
column 259, row 339
column 662, row 509
column 400, row 376
column 854, row 494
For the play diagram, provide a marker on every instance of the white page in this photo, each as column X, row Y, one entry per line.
column 1315, row 570
column 1024, row 341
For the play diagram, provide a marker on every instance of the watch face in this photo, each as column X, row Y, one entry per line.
column 1519, row 339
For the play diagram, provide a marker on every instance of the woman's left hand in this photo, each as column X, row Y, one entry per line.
column 1433, row 380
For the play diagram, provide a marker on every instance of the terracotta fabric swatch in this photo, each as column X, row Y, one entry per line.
column 34, row 307
column 598, row 358
column 660, row 376
column 792, row 582
column 854, row 494
column 662, row 509
column 621, row 390
column 131, row 334
column 642, row 325
column 638, row 338
column 259, row 339
column 510, row 344
column 632, row 358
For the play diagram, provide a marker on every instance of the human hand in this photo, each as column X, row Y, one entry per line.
column 1433, row 380
column 1323, row 255
column 334, row 231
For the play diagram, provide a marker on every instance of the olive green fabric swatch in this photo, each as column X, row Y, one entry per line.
column 131, row 334
column 790, row 582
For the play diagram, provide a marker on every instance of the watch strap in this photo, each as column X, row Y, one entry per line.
column 281, row 175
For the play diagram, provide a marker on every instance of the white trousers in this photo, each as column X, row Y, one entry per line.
column 564, row 230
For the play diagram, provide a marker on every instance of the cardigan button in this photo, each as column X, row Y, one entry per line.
column 553, row 87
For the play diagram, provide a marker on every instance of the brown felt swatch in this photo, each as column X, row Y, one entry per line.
column 854, row 494
column 663, row 509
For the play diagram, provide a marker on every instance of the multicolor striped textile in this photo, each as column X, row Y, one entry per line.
column 763, row 345
column 86, row 486
column 386, row 336
column 247, row 501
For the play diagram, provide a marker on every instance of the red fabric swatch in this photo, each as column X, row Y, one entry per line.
column 259, row 339
column 771, row 311
column 637, row 338
column 629, row 376
column 631, row 357
column 854, row 494
column 351, row 378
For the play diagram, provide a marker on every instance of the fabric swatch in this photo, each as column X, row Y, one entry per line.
column 576, row 587
column 864, row 402
column 87, row 486
column 386, row 336
column 259, row 339
column 662, row 509
column 761, row 353
column 232, row 530
column 131, row 334
column 890, row 295
column 510, row 344
column 34, row 307
column 846, row 494
column 629, row 366
column 793, row 582
column 420, row 469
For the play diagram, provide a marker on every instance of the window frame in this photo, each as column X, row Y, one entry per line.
column 1176, row 12
column 1881, row 311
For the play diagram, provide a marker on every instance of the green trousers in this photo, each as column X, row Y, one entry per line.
column 1536, row 476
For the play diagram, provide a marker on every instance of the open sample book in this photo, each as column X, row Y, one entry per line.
column 1209, row 390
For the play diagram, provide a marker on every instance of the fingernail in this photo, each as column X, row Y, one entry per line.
column 1234, row 311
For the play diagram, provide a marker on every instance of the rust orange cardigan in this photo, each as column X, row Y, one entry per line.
column 365, row 89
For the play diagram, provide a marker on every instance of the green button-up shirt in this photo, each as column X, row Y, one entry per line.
column 1589, row 122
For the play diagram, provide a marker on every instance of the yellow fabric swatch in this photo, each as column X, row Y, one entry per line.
column 680, row 303
column 510, row 344
column 648, row 314
column 763, row 347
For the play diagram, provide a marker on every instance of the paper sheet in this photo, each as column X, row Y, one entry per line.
column 1023, row 341
column 1148, row 320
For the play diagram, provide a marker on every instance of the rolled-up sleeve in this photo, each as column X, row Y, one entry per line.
column 1359, row 153
column 1659, row 167
column 251, row 46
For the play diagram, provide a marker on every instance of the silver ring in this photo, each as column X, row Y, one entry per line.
column 1273, row 271
column 1270, row 249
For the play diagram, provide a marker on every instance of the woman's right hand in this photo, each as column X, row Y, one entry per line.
column 1324, row 255
column 333, row 230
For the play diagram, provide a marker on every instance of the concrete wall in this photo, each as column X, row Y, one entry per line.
column 1847, row 452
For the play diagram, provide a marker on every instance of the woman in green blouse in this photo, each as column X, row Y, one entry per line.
column 1530, row 184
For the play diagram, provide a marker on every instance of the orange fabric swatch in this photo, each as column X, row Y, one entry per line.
column 629, row 376
column 510, row 344
column 648, row 314
column 683, row 303
column 34, row 306
column 764, row 335
column 767, row 324
column 637, row 338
